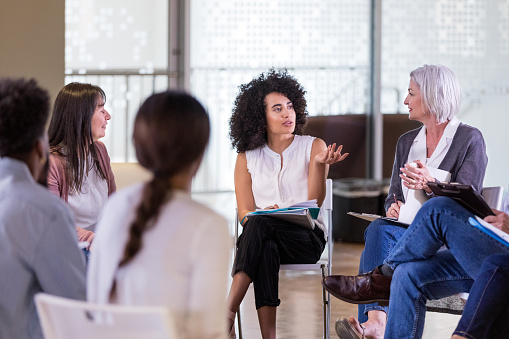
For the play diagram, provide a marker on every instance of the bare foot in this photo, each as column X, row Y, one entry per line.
column 373, row 329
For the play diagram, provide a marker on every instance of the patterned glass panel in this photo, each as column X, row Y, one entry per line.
column 472, row 38
column 323, row 43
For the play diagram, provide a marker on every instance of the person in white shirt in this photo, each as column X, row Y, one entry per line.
column 154, row 244
column 276, row 167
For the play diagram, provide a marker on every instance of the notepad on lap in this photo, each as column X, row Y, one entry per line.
column 372, row 217
column 302, row 214
column 490, row 230
column 416, row 198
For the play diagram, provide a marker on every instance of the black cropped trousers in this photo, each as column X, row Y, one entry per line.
column 265, row 244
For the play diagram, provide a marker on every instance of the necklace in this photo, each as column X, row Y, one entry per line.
column 433, row 148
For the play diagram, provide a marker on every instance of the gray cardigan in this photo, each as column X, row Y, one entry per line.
column 466, row 160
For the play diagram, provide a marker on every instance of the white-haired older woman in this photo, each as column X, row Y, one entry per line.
column 443, row 142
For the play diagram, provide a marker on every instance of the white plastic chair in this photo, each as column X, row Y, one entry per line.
column 493, row 196
column 63, row 318
column 324, row 264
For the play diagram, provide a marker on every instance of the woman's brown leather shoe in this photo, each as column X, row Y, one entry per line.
column 367, row 288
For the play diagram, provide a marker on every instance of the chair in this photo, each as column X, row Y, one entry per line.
column 455, row 303
column 324, row 264
column 63, row 318
column 129, row 173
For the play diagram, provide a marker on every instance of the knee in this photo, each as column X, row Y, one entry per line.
column 269, row 247
column 443, row 203
column 375, row 229
column 403, row 278
column 380, row 234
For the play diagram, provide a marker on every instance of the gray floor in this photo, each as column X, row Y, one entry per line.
column 300, row 313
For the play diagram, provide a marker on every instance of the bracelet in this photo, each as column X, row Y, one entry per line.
column 242, row 221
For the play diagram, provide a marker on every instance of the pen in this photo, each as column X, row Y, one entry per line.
column 395, row 200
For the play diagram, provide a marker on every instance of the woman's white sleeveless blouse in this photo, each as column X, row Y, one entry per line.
column 275, row 184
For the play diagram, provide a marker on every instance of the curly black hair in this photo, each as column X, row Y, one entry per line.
column 248, row 123
column 24, row 110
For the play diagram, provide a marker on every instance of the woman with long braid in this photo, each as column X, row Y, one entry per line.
column 154, row 244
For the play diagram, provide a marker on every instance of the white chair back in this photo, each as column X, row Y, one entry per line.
column 129, row 173
column 493, row 196
column 63, row 318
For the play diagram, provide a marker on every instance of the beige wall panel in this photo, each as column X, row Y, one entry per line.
column 32, row 41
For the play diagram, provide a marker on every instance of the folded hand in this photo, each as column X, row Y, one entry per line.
column 415, row 176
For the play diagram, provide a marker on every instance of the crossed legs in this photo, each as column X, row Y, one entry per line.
column 264, row 244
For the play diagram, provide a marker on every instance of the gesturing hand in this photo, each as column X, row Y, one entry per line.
column 331, row 155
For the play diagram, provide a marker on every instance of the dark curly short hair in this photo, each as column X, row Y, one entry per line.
column 24, row 110
column 248, row 123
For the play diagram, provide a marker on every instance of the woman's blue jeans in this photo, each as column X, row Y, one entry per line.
column 423, row 272
column 380, row 238
column 485, row 314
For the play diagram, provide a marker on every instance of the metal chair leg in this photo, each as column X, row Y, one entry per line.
column 326, row 309
column 239, row 325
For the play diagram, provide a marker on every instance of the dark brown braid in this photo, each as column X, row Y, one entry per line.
column 170, row 134
column 155, row 193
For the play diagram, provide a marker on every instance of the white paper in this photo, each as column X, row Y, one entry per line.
column 305, row 204
column 416, row 198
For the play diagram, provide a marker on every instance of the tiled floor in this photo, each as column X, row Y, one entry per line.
column 300, row 313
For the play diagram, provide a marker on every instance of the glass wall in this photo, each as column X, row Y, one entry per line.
column 324, row 44
column 470, row 37
column 116, row 34
column 123, row 48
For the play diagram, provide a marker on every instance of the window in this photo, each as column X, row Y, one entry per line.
column 123, row 48
column 324, row 44
column 471, row 38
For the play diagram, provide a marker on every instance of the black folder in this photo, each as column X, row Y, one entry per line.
column 465, row 195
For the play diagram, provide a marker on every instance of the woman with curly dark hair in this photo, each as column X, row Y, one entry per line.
column 276, row 167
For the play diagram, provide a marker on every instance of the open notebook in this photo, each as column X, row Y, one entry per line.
column 302, row 214
column 413, row 202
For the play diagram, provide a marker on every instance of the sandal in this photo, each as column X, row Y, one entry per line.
column 231, row 316
column 345, row 330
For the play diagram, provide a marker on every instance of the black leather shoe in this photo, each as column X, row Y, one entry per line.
column 367, row 288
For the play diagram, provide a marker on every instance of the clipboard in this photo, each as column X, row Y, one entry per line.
column 372, row 217
column 465, row 195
